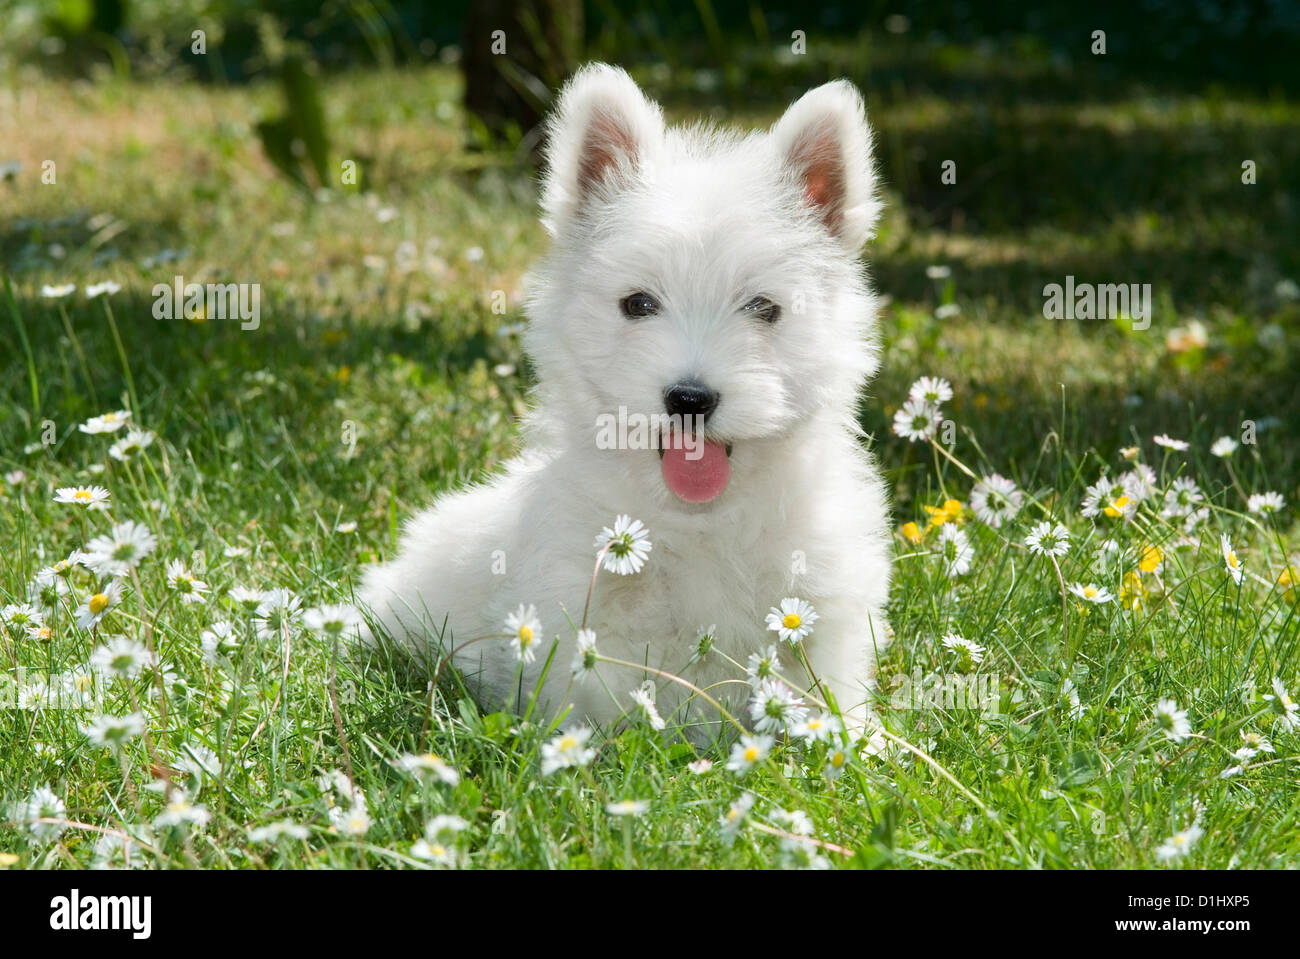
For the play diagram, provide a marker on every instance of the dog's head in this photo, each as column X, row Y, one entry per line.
column 706, row 281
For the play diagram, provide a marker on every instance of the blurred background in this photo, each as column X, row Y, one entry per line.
column 371, row 164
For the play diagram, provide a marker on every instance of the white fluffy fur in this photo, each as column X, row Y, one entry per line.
column 705, row 220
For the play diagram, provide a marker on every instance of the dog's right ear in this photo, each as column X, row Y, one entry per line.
column 600, row 135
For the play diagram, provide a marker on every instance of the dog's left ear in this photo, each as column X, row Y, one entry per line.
column 825, row 143
column 599, row 139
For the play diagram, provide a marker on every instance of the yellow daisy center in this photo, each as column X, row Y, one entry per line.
column 1232, row 559
column 814, row 724
column 1090, row 592
column 751, row 754
column 837, row 759
column 82, row 495
column 526, row 635
column 567, row 743
column 791, row 621
column 98, row 603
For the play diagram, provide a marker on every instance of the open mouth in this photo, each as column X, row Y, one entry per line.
column 695, row 470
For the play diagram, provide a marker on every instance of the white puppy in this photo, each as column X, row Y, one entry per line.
column 713, row 277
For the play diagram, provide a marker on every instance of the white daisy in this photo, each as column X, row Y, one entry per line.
column 817, row 728
column 1256, row 741
column 1097, row 496
column 1223, row 447
column 349, row 526
column 428, row 764
column 132, row 445
column 965, row 648
column 995, row 500
column 916, row 420
column 184, row 583
column 122, row 550
column 628, row 807
column 700, row 766
column 217, row 641
column 644, row 697
column 333, row 620
column 278, row 610
column 837, row 760
column 181, row 812
column 81, row 495
column 1139, row 483
column 735, row 816
column 629, row 545
column 567, row 750
column 107, row 423
column 747, row 752
column 108, row 287
column 113, row 731
column 1048, row 540
column 1092, row 593
column 762, row 665
column 1182, row 498
column 21, row 617
column 1179, row 844
column 956, row 550
column 1265, row 503
column 1172, row 721
column 793, row 621
column 43, row 804
column 245, row 599
column 525, row 632
column 98, row 605
column 584, row 659
column 353, row 821
column 59, row 291
column 1070, row 697
column 1170, row 443
column 273, row 832
column 122, row 656
column 930, row 389
column 1284, row 707
column 775, row 706
column 1231, row 564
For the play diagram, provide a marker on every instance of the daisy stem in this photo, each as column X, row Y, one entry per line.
column 163, row 769
column 1065, row 610
column 1232, row 475
column 591, row 588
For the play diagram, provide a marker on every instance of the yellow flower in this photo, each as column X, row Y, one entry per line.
column 1132, row 592
column 791, row 621
column 1117, row 507
column 911, row 532
column 1288, row 581
column 949, row 512
column 1151, row 559
column 343, row 374
column 98, row 603
column 7, row 859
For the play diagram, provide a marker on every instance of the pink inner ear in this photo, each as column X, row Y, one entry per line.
column 816, row 156
column 607, row 142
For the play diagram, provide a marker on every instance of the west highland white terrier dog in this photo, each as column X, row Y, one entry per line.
column 706, row 283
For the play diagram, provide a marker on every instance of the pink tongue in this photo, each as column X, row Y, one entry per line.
column 699, row 479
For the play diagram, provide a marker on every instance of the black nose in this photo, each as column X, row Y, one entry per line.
column 690, row 399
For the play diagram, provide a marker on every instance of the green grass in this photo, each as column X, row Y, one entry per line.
column 251, row 476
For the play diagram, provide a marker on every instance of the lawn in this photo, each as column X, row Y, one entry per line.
column 1150, row 729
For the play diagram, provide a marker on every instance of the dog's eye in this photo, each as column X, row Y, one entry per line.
column 638, row 305
column 763, row 308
